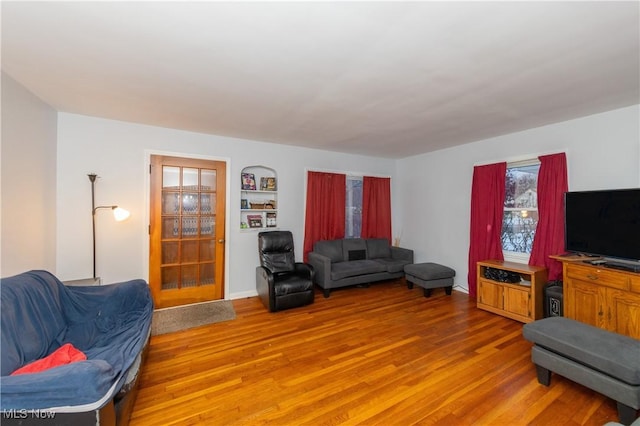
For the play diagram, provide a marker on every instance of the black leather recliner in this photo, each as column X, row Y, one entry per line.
column 282, row 283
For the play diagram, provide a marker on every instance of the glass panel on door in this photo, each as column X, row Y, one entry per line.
column 188, row 227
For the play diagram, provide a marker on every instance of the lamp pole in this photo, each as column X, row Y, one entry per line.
column 92, row 178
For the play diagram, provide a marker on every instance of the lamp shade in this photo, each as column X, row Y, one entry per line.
column 120, row 214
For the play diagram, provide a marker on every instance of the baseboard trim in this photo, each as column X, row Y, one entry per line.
column 243, row 294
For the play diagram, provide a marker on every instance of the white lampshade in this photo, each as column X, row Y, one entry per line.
column 120, row 214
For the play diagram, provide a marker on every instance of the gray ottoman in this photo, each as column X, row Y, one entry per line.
column 429, row 276
column 606, row 362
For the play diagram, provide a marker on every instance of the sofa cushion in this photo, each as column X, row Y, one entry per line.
column 352, row 249
column 378, row 248
column 355, row 267
column 393, row 265
column 357, row 255
column 330, row 248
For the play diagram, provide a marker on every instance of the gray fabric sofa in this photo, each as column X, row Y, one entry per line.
column 353, row 261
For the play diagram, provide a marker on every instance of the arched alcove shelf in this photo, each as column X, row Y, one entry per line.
column 258, row 198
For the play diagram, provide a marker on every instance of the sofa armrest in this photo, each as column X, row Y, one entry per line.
column 400, row 253
column 322, row 269
column 79, row 386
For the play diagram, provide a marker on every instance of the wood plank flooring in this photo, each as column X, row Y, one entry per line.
column 383, row 355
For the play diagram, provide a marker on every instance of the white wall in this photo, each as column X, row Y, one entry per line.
column 28, row 175
column 50, row 228
column 435, row 188
column 117, row 152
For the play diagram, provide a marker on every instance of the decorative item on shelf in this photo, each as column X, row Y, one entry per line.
column 501, row 275
column 268, row 184
column 248, row 181
column 396, row 240
column 244, row 204
column 243, row 225
column 271, row 220
column 255, row 220
column 257, row 205
column 270, row 205
column 119, row 214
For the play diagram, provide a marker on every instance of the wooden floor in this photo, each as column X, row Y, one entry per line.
column 383, row 355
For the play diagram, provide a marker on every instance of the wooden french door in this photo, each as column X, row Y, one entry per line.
column 186, row 255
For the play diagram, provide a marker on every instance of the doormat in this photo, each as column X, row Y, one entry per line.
column 169, row 320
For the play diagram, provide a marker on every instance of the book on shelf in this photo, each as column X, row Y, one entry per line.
column 268, row 184
column 255, row 220
column 248, row 181
column 271, row 220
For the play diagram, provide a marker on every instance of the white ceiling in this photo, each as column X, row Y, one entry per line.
column 388, row 79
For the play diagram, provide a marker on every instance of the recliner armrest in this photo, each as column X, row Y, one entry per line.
column 305, row 269
column 264, row 274
column 264, row 286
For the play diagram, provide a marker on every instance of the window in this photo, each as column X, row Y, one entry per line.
column 520, row 216
column 353, row 206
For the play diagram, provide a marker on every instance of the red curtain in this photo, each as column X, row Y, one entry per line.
column 325, row 214
column 376, row 208
column 549, row 238
column 487, row 206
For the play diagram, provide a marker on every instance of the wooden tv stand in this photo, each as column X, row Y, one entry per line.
column 521, row 301
column 601, row 296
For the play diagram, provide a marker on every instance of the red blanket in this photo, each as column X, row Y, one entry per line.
column 65, row 354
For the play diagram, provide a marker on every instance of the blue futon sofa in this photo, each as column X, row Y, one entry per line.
column 110, row 324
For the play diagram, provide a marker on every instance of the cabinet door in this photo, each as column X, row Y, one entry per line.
column 490, row 294
column 623, row 312
column 584, row 303
column 517, row 301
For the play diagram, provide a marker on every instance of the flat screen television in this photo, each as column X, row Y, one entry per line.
column 604, row 223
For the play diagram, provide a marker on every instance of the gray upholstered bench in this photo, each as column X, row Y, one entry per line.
column 606, row 362
column 429, row 276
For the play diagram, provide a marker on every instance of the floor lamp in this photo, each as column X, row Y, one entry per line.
column 119, row 214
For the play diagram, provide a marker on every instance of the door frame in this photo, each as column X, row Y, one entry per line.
column 147, row 210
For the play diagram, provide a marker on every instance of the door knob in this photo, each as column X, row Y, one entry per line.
column 221, row 241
